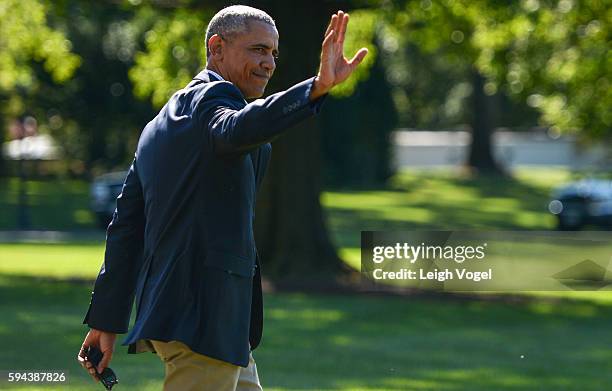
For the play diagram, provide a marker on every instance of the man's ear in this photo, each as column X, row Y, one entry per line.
column 215, row 46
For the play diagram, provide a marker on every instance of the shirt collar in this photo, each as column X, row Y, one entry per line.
column 215, row 74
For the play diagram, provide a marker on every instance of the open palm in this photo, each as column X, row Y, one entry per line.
column 334, row 67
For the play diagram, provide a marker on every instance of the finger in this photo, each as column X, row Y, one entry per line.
column 340, row 17
column 329, row 38
column 358, row 58
column 83, row 350
column 342, row 27
column 84, row 363
column 106, row 358
column 81, row 361
column 85, row 345
column 89, row 367
column 82, row 356
column 330, row 25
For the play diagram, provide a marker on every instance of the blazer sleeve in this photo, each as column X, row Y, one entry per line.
column 260, row 158
column 235, row 128
column 115, row 286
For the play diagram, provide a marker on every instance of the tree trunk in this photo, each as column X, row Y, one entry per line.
column 480, row 157
column 290, row 228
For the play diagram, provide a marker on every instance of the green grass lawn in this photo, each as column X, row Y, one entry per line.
column 329, row 342
column 332, row 342
column 443, row 200
column 413, row 200
column 425, row 200
column 66, row 260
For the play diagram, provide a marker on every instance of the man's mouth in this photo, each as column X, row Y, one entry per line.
column 259, row 75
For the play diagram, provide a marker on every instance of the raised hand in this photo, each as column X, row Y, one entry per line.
column 334, row 67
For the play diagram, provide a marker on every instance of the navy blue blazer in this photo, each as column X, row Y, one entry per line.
column 181, row 239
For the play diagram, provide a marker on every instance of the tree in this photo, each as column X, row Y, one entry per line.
column 555, row 56
column 444, row 29
column 357, row 122
column 27, row 40
column 290, row 223
column 101, row 117
column 356, row 134
column 552, row 55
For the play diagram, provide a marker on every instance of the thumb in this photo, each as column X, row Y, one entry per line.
column 90, row 340
column 106, row 358
column 359, row 56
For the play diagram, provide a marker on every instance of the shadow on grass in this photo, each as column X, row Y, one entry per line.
column 405, row 344
column 41, row 328
column 319, row 342
column 439, row 201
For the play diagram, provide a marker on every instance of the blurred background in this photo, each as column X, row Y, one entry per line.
column 480, row 115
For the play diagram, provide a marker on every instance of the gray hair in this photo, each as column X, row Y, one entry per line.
column 234, row 19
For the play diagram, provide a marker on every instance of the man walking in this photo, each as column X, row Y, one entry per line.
column 181, row 239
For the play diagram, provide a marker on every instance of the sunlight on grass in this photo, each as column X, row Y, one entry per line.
column 417, row 200
column 444, row 200
column 352, row 256
column 52, row 260
column 601, row 297
column 547, row 177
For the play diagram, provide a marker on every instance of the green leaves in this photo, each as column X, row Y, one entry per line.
column 557, row 54
column 175, row 50
column 25, row 36
column 552, row 55
column 360, row 33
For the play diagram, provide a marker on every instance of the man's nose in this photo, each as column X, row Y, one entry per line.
column 269, row 64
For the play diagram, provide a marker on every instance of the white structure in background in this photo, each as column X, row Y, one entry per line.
column 41, row 147
column 437, row 149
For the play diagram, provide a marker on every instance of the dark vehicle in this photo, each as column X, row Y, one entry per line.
column 586, row 202
column 104, row 192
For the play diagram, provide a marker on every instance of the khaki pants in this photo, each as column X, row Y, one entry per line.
column 190, row 371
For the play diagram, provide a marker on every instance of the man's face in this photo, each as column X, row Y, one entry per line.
column 249, row 58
